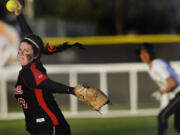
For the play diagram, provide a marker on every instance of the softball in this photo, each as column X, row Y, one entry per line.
column 11, row 4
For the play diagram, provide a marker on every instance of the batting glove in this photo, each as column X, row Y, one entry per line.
column 156, row 95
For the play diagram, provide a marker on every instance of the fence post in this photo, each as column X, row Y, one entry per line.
column 133, row 90
column 3, row 97
column 104, row 87
column 73, row 100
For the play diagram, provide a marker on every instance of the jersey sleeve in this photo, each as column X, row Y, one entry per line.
column 55, row 87
column 162, row 69
column 25, row 29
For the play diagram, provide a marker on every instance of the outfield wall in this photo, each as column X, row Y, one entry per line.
column 112, row 49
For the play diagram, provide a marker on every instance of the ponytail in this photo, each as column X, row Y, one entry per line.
column 51, row 49
column 39, row 47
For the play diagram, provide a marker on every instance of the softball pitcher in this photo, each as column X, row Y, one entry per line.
column 34, row 89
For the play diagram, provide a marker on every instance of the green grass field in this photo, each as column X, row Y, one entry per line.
column 98, row 126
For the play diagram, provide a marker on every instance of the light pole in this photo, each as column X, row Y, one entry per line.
column 29, row 8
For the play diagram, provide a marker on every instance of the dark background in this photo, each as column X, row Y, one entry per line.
column 78, row 18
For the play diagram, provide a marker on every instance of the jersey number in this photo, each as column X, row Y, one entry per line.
column 23, row 102
column 18, row 90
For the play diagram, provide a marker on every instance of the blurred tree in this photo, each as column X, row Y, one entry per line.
column 70, row 9
column 100, row 12
column 3, row 11
column 150, row 16
column 116, row 16
column 106, row 22
column 119, row 19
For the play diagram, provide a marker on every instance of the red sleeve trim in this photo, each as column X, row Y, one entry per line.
column 38, row 75
column 42, row 103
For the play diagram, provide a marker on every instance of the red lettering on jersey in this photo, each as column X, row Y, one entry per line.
column 18, row 90
column 23, row 102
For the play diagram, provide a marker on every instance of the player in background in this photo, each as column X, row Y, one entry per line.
column 167, row 80
column 34, row 88
column 9, row 40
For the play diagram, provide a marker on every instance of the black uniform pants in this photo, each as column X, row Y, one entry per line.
column 172, row 108
column 57, row 130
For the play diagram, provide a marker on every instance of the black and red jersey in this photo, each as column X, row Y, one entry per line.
column 33, row 91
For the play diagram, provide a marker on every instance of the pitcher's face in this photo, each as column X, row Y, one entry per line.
column 25, row 54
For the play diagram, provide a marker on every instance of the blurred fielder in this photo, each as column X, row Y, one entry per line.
column 168, row 81
column 9, row 40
